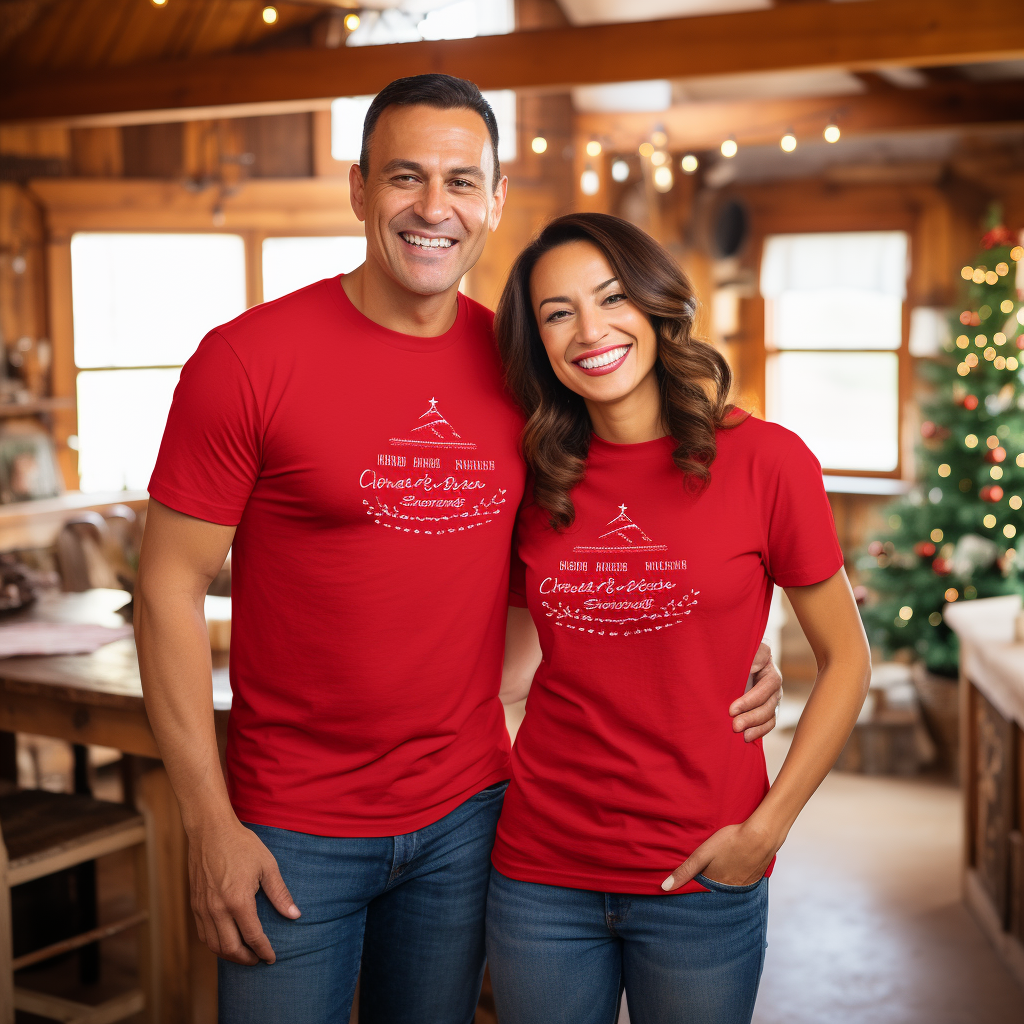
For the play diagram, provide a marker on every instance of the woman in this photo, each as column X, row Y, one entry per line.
column 638, row 830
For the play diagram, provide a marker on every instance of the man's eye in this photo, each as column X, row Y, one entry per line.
column 462, row 183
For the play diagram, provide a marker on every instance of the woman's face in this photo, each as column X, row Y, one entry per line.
column 600, row 345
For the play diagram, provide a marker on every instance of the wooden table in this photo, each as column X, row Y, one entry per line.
column 97, row 699
column 992, row 769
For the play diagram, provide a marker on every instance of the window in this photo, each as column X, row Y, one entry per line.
column 141, row 303
column 290, row 263
column 833, row 331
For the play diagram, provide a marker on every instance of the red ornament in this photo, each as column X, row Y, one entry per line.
column 992, row 493
column 928, row 429
column 971, row 402
column 875, row 548
column 1020, row 341
column 941, row 567
column 924, row 548
column 965, row 317
column 995, row 455
column 999, row 235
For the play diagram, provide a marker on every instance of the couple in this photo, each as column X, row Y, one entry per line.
column 364, row 446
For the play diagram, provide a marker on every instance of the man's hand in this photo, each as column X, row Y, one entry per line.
column 227, row 866
column 753, row 714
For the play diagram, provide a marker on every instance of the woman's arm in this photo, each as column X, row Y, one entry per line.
column 522, row 659
column 740, row 854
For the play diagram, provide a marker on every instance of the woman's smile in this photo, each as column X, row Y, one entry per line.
column 602, row 360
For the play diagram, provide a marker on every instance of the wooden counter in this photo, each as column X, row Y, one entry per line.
column 992, row 769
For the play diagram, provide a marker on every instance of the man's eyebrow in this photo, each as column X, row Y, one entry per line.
column 412, row 165
column 564, row 298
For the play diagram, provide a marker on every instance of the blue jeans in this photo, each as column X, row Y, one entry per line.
column 408, row 910
column 563, row 956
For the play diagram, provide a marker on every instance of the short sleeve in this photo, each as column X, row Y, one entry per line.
column 516, row 579
column 801, row 537
column 211, row 450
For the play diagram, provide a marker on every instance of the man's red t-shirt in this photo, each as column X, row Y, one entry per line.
column 374, row 479
column 650, row 608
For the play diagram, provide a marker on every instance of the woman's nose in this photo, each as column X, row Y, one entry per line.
column 591, row 328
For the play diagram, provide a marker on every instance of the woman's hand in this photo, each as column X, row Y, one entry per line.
column 734, row 855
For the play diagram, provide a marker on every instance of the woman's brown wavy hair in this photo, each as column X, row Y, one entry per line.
column 693, row 378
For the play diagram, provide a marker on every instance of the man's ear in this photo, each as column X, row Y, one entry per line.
column 500, row 195
column 356, row 191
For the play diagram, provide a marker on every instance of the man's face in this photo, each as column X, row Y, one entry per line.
column 428, row 201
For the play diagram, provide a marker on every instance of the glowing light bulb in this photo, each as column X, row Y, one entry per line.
column 539, row 144
column 646, row 149
column 593, row 148
column 788, row 142
column 351, row 22
column 659, row 157
column 906, row 612
column 620, row 170
column 659, row 138
column 590, row 183
column 159, row 3
column 831, row 133
column 689, row 163
column 967, row 273
column 729, row 148
column 270, row 15
column 663, row 178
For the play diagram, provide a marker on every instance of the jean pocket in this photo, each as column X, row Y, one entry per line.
column 710, row 883
column 496, row 789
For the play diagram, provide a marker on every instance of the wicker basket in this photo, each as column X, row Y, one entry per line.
column 940, row 706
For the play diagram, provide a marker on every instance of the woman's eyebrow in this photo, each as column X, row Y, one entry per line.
column 565, row 298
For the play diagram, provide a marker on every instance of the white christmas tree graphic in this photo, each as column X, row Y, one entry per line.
column 433, row 431
column 622, row 535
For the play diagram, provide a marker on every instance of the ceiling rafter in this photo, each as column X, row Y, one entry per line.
column 860, row 36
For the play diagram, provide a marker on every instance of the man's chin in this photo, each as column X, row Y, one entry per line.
column 428, row 281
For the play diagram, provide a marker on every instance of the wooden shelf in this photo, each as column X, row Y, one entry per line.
column 9, row 409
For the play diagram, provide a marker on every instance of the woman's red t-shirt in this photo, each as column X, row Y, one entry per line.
column 650, row 608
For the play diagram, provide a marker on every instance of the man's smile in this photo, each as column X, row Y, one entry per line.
column 426, row 242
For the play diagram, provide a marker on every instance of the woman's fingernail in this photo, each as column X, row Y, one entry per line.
column 293, row 911
column 667, row 884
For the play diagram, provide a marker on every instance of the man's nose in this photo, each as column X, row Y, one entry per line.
column 432, row 205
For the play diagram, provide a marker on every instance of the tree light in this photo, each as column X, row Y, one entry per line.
column 663, row 178
column 593, row 148
column 539, row 144
column 831, row 133
column 590, row 183
column 967, row 273
column 729, row 148
column 351, row 22
column 1009, row 530
column 689, row 163
column 270, row 15
column 989, row 520
column 906, row 612
column 620, row 170
column 1016, row 252
column 788, row 142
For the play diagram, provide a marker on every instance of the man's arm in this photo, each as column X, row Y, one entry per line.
column 227, row 862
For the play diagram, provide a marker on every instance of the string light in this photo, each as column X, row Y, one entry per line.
column 351, row 22
column 1016, row 253
column 659, row 138
column 944, row 470
column 159, row 3
column 539, row 144
column 270, row 15
column 593, row 148
column 729, row 148
column 831, row 133
column 659, row 157
column 689, row 163
column 935, row 619
column 590, row 183
column 1002, row 269
column 906, row 612
column 967, row 273
column 620, row 170
column 1006, row 306
column 989, row 520
column 1015, row 502
column 936, row 535
column 991, row 277
column 788, row 142
column 646, row 149
column 1009, row 530
column 971, row 440
column 951, row 595
column 978, row 277
column 663, row 179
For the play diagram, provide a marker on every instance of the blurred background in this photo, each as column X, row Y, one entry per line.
column 843, row 182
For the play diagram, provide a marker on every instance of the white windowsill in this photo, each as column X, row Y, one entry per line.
column 884, row 485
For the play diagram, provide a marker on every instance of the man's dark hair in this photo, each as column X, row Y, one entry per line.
column 443, row 92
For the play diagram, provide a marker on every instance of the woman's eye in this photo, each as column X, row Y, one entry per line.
column 613, row 299
column 559, row 314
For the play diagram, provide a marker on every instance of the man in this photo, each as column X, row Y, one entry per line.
column 353, row 442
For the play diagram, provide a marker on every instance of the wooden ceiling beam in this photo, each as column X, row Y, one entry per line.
column 855, row 36
column 704, row 125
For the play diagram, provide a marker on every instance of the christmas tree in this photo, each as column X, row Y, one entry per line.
column 959, row 533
